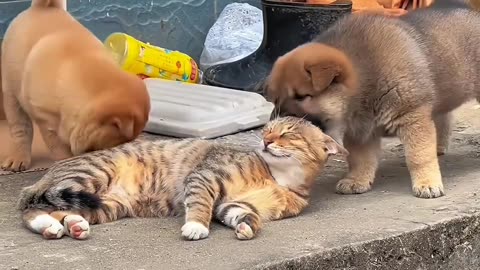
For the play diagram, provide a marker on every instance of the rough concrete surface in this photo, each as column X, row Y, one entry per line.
column 386, row 228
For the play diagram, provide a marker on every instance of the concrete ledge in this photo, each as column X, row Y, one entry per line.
column 387, row 228
column 453, row 244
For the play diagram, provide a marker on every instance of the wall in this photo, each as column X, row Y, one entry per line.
column 174, row 24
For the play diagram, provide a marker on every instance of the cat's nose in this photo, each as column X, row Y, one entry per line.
column 267, row 142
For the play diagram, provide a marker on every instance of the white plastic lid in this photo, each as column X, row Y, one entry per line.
column 194, row 110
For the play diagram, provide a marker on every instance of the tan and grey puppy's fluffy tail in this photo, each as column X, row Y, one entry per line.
column 50, row 3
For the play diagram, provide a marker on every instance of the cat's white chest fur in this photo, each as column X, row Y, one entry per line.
column 287, row 171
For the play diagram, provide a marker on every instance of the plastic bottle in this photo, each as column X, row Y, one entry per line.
column 151, row 61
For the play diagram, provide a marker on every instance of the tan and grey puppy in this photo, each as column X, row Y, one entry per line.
column 58, row 75
column 369, row 76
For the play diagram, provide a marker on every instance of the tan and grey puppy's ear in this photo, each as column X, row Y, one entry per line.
column 324, row 65
column 332, row 147
column 307, row 71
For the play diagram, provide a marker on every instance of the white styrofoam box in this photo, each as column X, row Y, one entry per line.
column 193, row 110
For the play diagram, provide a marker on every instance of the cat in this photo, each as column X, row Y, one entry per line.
column 199, row 178
column 57, row 75
column 369, row 77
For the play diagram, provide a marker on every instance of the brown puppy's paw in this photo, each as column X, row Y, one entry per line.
column 17, row 162
column 428, row 191
column 351, row 186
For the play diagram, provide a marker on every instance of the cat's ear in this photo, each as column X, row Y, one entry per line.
column 332, row 147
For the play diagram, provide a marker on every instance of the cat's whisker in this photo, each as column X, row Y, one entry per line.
column 258, row 137
column 299, row 120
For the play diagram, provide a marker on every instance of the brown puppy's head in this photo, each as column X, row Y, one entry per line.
column 313, row 80
column 117, row 113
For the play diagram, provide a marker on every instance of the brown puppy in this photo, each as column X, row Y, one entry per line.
column 369, row 76
column 58, row 74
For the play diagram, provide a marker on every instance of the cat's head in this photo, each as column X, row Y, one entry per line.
column 296, row 139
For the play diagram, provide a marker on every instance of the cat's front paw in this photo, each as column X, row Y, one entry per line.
column 352, row 186
column 244, row 232
column 193, row 230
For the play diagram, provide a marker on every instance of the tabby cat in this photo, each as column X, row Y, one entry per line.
column 199, row 178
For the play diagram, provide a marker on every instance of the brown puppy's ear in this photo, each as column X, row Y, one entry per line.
column 322, row 75
column 332, row 147
column 126, row 127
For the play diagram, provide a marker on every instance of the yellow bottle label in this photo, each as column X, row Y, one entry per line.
column 144, row 59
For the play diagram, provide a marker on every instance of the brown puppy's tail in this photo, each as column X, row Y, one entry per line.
column 50, row 3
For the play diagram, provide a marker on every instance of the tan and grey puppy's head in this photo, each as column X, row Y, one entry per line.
column 313, row 79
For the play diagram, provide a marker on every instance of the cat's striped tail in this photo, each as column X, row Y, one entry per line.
column 58, row 198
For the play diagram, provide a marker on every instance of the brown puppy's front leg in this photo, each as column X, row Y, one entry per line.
column 362, row 163
column 58, row 149
column 21, row 132
column 419, row 138
column 444, row 130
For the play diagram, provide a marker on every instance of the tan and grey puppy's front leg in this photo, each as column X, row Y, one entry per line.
column 443, row 125
column 362, row 163
column 19, row 156
column 418, row 135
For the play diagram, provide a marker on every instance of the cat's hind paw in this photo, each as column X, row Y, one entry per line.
column 47, row 226
column 194, row 231
column 56, row 231
column 76, row 227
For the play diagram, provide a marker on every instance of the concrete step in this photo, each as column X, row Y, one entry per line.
column 386, row 228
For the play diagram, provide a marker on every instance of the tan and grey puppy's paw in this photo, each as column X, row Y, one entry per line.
column 428, row 189
column 351, row 186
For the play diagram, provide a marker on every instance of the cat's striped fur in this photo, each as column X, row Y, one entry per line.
column 199, row 178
